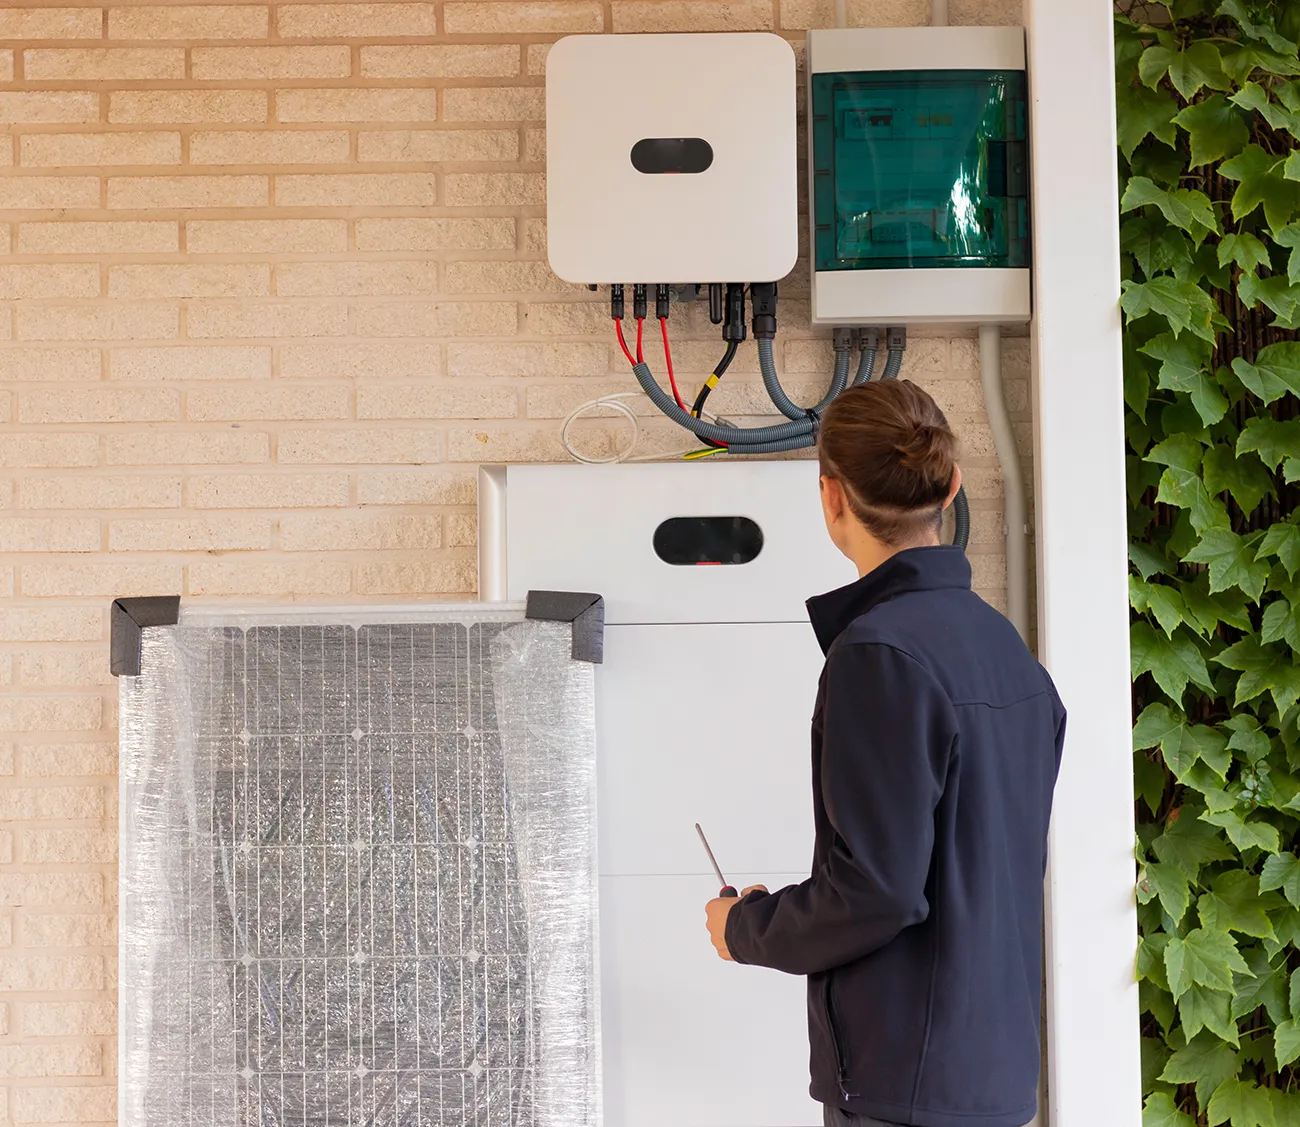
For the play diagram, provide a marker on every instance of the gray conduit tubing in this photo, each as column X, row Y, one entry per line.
column 1013, row 482
column 866, row 365
column 775, row 392
column 733, row 437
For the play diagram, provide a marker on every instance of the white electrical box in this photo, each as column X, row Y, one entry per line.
column 671, row 158
column 918, row 173
column 704, row 704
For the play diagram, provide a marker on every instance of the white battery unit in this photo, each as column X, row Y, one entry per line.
column 918, row 175
column 704, row 704
column 671, row 158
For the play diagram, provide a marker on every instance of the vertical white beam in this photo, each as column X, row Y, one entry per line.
column 1093, row 1048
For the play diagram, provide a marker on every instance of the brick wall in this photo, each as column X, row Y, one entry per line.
column 276, row 281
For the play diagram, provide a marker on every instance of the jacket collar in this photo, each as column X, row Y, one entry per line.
column 913, row 569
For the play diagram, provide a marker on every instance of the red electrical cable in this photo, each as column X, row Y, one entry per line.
column 640, row 328
column 668, row 360
column 618, row 327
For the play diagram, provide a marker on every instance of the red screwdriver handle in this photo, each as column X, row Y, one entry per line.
column 727, row 892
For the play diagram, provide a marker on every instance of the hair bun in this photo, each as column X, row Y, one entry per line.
column 928, row 451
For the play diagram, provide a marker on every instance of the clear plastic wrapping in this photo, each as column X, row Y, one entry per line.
column 358, row 877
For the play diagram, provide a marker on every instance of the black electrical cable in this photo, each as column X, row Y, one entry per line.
column 719, row 371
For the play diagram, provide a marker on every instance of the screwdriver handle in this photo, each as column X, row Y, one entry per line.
column 727, row 892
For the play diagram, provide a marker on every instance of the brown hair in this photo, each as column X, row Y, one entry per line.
column 888, row 444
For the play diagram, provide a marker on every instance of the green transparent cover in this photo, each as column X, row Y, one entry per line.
column 920, row 168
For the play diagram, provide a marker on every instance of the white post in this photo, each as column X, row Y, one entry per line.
column 1093, row 1047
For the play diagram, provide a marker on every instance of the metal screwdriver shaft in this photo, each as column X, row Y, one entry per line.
column 727, row 890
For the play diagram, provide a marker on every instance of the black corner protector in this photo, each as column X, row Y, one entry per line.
column 586, row 613
column 127, row 618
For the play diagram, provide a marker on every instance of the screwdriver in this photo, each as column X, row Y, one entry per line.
column 727, row 890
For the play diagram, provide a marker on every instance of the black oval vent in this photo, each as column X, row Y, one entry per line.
column 693, row 541
column 654, row 155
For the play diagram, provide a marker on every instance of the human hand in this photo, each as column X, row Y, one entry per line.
column 754, row 888
column 716, row 912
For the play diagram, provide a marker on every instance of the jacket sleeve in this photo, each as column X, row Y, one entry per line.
column 889, row 734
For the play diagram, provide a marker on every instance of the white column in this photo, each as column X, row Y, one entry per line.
column 1093, row 1047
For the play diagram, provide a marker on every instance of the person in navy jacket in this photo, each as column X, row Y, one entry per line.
column 936, row 741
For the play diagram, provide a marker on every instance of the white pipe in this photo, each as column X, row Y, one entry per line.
column 938, row 13
column 841, row 13
column 1013, row 481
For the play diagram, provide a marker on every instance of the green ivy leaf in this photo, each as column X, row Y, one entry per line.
column 1232, row 562
column 1276, row 292
column 1243, row 249
column 1270, row 439
column 1242, row 60
column 1156, row 246
column 1261, row 182
column 1198, row 66
column 1203, row 1008
column 1160, row 1111
column 1166, row 603
column 1186, row 490
column 1282, row 871
column 1203, row 958
column 1172, row 662
column 1158, row 726
column 1236, row 904
column 1244, row 835
column 1247, row 738
column 1209, row 610
column 1144, row 113
column 1204, row 1061
column 1216, row 127
column 1190, row 843
column 1237, row 11
column 1266, row 986
column 1180, row 451
column 1262, row 670
column 1185, row 367
column 1286, row 1039
column 1243, row 477
column 1241, row 1103
column 1184, row 305
column 1286, row 1106
column 1183, row 207
column 1289, row 237
column 1254, row 97
column 1291, row 470
column 1148, row 560
column 1281, row 623
column 1283, row 541
column 1169, row 883
column 1148, row 781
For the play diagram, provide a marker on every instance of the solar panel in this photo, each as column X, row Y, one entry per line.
column 358, row 877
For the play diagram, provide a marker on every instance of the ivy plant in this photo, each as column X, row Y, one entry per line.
column 1208, row 97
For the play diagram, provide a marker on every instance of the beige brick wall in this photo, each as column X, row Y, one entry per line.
column 276, row 281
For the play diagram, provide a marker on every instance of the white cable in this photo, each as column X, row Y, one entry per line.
column 841, row 13
column 611, row 403
column 618, row 404
column 938, row 13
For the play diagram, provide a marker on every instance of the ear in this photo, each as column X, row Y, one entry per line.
column 956, row 485
column 834, row 502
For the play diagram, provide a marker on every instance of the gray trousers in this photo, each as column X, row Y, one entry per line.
column 837, row 1117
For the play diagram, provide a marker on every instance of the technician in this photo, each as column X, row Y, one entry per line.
column 935, row 746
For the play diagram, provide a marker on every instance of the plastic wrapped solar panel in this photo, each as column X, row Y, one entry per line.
column 358, row 876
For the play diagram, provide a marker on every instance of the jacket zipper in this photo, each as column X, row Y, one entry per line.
column 836, row 1045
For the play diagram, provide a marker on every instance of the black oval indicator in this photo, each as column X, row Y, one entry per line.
column 700, row 541
column 658, row 155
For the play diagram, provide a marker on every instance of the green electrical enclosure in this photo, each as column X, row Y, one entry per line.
column 920, row 168
column 919, row 164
